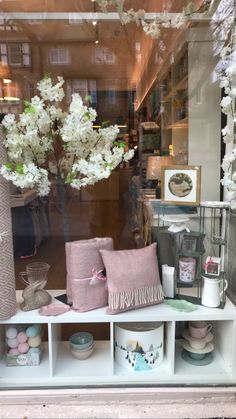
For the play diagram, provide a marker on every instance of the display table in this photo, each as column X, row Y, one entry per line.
column 59, row 368
column 22, row 199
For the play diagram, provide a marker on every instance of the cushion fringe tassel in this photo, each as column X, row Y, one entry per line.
column 136, row 297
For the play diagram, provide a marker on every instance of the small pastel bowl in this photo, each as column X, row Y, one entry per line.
column 81, row 340
column 81, row 355
column 74, row 347
column 196, row 356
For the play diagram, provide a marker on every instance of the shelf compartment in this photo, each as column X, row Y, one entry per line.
column 98, row 364
column 31, row 374
column 215, row 372
column 193, row 284
column 166, row 366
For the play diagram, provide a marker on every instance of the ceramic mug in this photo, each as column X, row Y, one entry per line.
column 197, row 343
column 199, row 329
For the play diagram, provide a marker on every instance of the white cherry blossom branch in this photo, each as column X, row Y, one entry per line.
column 163, row 20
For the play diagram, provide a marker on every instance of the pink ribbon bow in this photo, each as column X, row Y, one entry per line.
column 97, row 275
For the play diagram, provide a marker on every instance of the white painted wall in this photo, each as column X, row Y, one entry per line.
column 204, row 112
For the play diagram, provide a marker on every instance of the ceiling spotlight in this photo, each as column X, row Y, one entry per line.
column 94, row 22
column 97, row 41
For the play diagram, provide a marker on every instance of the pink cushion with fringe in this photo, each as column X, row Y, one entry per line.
column 83, row 258
column 133, row 278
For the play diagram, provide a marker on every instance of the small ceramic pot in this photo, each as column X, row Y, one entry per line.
column 77, row 348
column 81, row 355
column 81, row 340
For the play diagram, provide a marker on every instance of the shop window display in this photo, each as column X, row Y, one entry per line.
column 83, row 109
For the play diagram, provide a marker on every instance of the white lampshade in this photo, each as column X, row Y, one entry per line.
column 154, row 165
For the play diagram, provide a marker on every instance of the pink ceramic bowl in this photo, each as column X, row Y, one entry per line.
column 81, row 355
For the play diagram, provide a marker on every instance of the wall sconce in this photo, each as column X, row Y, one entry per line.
column 154, row 165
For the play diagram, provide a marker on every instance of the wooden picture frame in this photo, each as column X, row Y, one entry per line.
column 180, row 185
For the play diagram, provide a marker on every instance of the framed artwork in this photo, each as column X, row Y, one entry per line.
column 212, row 266
column 189, row 244
column 181, row 185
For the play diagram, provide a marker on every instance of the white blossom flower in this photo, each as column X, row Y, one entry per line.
column 129, row 155
column 47, row 140
column 233, row 202
column 48, row 91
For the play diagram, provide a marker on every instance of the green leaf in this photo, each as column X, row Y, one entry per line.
column 70, row 177
column 29, row 108
column 26, row 103
column 109, row 166
column 105, row 124
column 88, row 99
column 120, row 144
column 9, row 166
column 87, row 115
column 47, row 76
column 19, row 169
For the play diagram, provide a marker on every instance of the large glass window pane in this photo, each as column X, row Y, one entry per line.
column 156, row 71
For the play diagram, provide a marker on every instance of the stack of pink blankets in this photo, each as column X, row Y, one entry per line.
column 86, row 286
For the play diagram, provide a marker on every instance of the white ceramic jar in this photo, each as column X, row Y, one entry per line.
column 139, row 346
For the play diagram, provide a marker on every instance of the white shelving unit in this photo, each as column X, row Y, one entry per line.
column 59, row 368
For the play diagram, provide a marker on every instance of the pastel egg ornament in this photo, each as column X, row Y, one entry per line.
column 13, row 351
column 12, row 343
column 22, row 337
column 11, row 333
column 23, row 348
column 34, row 341
column 33, row 330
